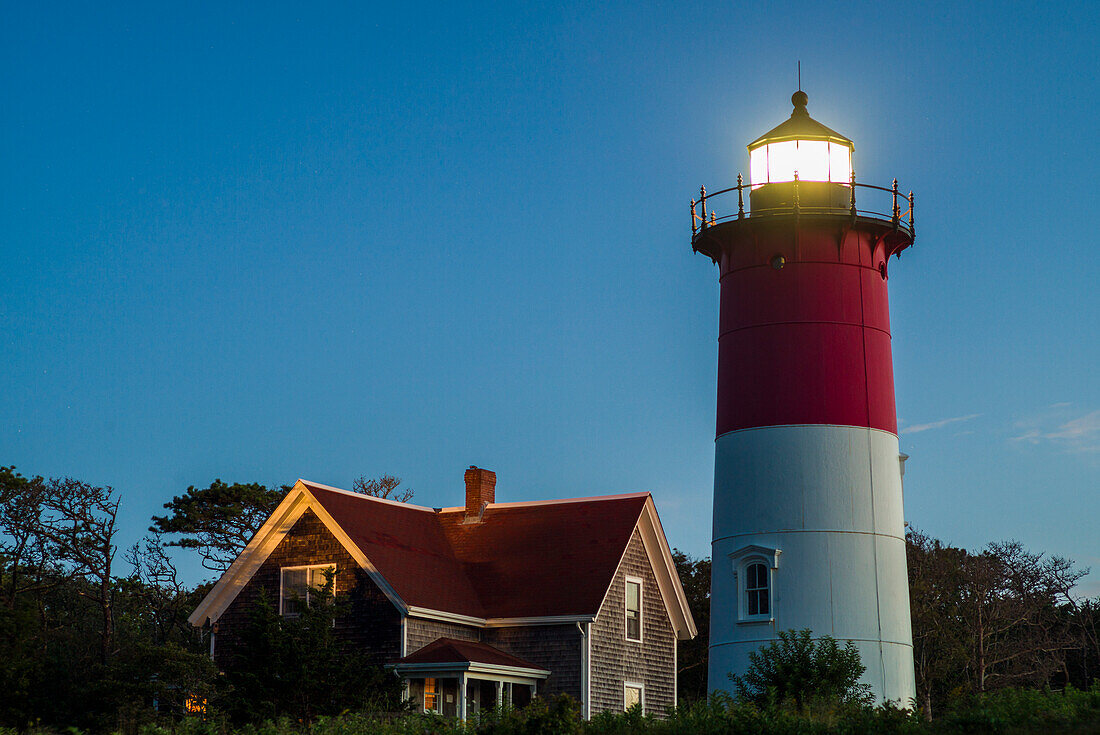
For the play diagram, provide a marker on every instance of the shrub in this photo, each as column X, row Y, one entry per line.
column 798, row 669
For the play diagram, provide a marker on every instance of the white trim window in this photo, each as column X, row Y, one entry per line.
column 754, row 568
column 633, row 609
column 757, row 586
column 431, row 695
column 633, row 694
column 297, row 585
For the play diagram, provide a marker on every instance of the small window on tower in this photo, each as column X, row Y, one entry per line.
column 756, row 589
column 754, row 569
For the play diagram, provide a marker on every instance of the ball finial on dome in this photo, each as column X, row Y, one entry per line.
column 799, row 100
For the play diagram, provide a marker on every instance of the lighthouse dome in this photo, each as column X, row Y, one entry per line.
column 800, row 146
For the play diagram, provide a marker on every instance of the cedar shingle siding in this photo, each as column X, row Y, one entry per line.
column 422, row 632
column 556, row 648
column 616, row 660
column 372, row 624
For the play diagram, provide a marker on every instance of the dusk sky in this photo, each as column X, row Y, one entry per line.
column 266, row 241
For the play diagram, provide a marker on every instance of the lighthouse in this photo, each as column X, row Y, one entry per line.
column 808, row 528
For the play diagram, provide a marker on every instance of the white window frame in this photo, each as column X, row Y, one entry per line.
column 742, row 559
column 437, row 695
column 641, row 606
column 641, row 694
column 282, row 571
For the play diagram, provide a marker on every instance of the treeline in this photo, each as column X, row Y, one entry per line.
column 84, row 644
column 81, row 644
column 982, row 621
column 98, row 639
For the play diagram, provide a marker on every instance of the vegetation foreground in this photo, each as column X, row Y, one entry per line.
column 1010, row 711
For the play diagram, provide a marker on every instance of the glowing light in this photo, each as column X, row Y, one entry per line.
column 814, row 160
column 840, row 163
column 758, row 166
column 783, row 160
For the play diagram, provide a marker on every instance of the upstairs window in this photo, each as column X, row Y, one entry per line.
column 299, row 586
column 633, row 609
column 756, row 589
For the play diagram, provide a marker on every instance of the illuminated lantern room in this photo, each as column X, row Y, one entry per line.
column 800, row 149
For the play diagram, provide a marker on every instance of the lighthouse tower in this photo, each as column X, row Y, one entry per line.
column 808, row 526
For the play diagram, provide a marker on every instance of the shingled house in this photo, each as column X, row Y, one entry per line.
column 480, row 604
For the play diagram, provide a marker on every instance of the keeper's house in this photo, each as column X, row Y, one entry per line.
column 482, row 604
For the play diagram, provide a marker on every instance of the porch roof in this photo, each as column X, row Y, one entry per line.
column 450, row 651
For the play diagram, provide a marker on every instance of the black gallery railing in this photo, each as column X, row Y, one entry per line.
column 705, row 214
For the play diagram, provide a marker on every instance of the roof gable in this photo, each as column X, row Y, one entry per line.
column 553, row 559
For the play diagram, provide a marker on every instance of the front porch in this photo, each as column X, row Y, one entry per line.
column 460, row 678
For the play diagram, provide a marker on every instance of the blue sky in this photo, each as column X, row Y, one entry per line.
column 268, row 241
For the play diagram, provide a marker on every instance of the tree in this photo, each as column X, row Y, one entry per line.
column 941, row 651
column 1009, row 609
column 23, row 555
column 693, row 655
column 80, row 522
column 998, row 618
column 218, row 520
column 297, row 666
column 798, row 669
column 386, row 487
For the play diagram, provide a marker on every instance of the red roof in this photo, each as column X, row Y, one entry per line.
column 521, row 560
column 450, row 651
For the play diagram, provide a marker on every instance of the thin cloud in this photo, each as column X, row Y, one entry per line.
column 1077, row 434
column 915, row 428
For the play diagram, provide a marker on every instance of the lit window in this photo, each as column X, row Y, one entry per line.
column 299, row 585
column 633, row 696
column 633, row 609
column 431, row 696
column 756, row 589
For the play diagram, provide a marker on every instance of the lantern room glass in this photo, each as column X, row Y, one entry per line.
column 813, row 160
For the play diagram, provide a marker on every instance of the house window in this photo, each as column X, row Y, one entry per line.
column 633, row 694
column 431, row 696
column 299, row 585
column 633, row 609
column 756, row 589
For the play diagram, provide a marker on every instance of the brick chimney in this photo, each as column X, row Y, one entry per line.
column 480, row 491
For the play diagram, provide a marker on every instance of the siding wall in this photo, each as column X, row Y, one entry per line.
column 372, row 625
column 556, row 648
column 422, row 632
column 616, row 660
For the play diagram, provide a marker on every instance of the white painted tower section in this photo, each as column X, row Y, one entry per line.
column 821, row 505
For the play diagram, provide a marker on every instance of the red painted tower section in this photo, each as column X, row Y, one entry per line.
column 804, row 327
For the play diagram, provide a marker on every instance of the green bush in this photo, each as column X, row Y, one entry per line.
column 1006, row 712
column 797, row 669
